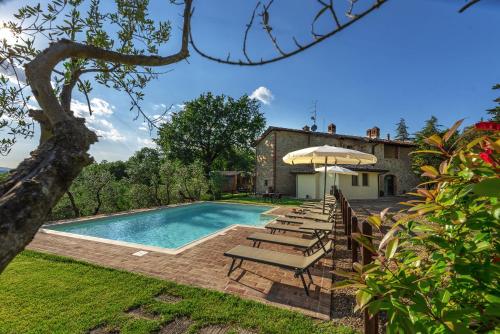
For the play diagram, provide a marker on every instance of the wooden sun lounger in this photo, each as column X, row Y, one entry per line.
column 275, row 226
column 314, row 216
column 298, row 263
column 306, row 245
column 289, row 220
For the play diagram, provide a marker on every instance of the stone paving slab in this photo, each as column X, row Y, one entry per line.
column 205, row 266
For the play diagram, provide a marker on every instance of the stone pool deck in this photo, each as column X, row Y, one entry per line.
column 204, row 265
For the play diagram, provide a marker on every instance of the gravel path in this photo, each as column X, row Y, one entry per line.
column 343, row 300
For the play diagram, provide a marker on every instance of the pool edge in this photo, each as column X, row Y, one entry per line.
column 170, row 251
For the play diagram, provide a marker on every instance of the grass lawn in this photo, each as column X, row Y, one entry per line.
column 42, row 293
column 250, row 199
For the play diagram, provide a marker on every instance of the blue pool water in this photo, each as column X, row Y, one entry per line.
column 170, row 227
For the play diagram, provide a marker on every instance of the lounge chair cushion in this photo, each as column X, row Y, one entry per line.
column 289, row 220
column 283, row 240
column 314, row 216
column 287, row 227
column 279, row 259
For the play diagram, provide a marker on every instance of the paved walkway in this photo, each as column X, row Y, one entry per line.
column 205, row 266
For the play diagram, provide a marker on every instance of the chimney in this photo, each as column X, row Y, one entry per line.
column 332, row 129
column 388, row 136
column 373, row 133
column 306, row 128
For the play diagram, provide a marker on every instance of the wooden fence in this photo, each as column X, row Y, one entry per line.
column 353, row 225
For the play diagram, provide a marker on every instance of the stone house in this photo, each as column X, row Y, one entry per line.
column 391, row 175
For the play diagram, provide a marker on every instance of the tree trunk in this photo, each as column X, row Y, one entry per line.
column 157, row 197
column 168, row 194
column 38, row 183
column 207, row 168
column 73, row 204
column 99, row 202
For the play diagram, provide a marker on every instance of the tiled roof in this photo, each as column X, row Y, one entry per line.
column 336, row 135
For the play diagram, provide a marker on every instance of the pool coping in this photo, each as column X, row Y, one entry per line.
column 171, row 251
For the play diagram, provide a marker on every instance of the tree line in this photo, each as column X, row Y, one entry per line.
column 210, row 133
column 423, row 138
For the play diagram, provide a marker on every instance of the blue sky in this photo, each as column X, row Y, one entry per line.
column 410, row 59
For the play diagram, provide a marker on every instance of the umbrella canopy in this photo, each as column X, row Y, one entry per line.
column 330, row 155
column 336, row 170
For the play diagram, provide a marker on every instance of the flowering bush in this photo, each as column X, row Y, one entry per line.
column 437, row 269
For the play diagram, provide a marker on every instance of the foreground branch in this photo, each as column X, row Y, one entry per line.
column 29, row 193
column 467, row 5
column 282, row 54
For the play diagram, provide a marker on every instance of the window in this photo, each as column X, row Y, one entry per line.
column 365, row 179
column 265, row 183
column 355, row 180
column 390, row 151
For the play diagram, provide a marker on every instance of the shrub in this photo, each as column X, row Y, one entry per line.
column 437, row 269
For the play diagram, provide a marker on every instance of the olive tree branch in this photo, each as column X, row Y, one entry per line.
column 282, row 54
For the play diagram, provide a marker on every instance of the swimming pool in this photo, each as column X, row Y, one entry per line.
column 173, row 227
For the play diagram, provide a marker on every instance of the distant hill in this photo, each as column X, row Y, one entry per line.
column 4, row 170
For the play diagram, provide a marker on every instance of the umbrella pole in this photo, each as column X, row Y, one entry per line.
column 324, row 188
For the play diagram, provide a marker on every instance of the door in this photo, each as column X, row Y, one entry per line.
column 389, row 185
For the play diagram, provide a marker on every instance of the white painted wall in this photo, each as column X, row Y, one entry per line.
column 307, row 186
column 330, row 179
column 311, row 185
column 360, row 191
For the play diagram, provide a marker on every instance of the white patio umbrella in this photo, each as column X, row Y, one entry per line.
column 326, row 155
column 336, row 170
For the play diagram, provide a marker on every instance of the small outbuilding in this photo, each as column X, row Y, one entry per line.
column 236, row 181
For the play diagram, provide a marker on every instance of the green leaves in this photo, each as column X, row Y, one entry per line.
column 439, row 273
column 452, row 130
column 434, row 140
column 363, row 240
column 391, row 248
column 488, row 187
column 362, row 298
column 429, row 171
column 214, row 130
column 375, row 221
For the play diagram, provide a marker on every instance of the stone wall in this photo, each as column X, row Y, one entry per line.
column 287, row 141
column 406, row 180
column 264, row 164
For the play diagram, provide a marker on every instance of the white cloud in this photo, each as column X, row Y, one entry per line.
column 262, row 94
column 146, row 142
column 144, row 127
column 109, row 134
column 98, row 106
column 10, row 72
column 159, row 106
column 160, row 119
column 97, row 122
